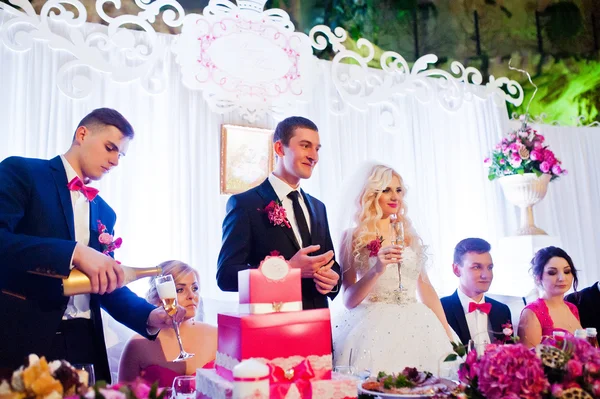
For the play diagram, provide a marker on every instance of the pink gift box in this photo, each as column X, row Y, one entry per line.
column 259, row 294
column 285, row 339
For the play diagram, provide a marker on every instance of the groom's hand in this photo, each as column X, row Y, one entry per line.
column 326, row 279
column 307, row 264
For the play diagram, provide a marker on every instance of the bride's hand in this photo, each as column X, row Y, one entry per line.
column 388, row 255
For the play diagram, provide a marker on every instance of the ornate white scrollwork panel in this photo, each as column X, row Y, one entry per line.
column 124, row 55
column 245, row 59
column 362, row 87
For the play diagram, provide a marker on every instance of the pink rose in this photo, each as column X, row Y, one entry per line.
column 140, row 390
column 105, row 238
column 596, row 388
column 512, row 136
column 549, row 157
column 537, row 145
column 574, row 368
column 536, row 155
column 515, row 160
column 539, row 138
column 556, row 169
column 557, row 390
column 545, row 167
column 592, row 368
column 502, row 161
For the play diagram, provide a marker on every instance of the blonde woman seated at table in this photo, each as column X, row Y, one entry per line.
column 554, row 273
column 152, row 360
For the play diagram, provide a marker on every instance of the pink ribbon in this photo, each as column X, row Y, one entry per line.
column 282, row 380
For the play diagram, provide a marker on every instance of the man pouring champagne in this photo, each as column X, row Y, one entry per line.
column 49, row 221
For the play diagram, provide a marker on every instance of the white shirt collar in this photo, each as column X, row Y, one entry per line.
column 465, row 300
column 71, row 174
column 282, row 189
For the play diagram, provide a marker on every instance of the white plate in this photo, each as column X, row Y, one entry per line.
column 391, row 395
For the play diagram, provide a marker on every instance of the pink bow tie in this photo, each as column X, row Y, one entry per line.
column 77, row 185
column 482, row 307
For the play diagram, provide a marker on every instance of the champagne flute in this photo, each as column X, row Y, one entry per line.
column 165, row 285
column 397, row 238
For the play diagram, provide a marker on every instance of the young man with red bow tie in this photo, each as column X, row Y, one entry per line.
column 49, row 221
column 469, row 312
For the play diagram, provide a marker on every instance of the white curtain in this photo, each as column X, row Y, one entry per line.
column 570, row 209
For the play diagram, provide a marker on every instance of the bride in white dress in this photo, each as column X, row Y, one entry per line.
column 391, row 325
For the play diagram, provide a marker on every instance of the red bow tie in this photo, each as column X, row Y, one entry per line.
column 77, row 185
column 482, row 307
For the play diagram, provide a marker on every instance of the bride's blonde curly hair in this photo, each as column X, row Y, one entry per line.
column 368, row 212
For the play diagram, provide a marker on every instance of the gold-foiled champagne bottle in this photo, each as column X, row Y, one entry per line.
column 78, row 283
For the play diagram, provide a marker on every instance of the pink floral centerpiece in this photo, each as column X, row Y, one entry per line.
column 523, row 151
column 566, row 369
column 58, row 379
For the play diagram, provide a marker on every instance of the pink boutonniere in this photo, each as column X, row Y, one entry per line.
column 374, row 246
column 109, row 244
column 276, row 214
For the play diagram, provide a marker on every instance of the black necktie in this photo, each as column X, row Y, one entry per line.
column 300, row 219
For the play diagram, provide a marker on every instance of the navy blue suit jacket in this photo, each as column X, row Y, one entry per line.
column 499, row 314
column 37, row 239
column 588, row 303
column 248, row 237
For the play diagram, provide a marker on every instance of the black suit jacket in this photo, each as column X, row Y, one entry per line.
column 37, row 239
column 588, row 303
column 499, row 314
column 248, row 237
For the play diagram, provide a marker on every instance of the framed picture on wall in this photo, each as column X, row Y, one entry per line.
column 246, row 157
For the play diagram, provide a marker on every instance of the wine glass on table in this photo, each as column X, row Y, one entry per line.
column 165, row 285
column 397, row 238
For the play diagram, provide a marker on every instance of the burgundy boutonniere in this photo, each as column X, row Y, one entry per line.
column 507, row 332
column 374, row 246
column 109, row 244
column 276, row 214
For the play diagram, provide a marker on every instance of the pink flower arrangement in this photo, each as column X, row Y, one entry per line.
column 109, row 244
column 276, row 214
column 523, row 151
column 555, row 369
column 40, row 379
column 374, row 246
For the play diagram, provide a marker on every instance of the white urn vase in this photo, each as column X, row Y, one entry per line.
column 525, row 191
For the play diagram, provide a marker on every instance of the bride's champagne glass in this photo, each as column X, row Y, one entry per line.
column 397, row 238
column 168, row 295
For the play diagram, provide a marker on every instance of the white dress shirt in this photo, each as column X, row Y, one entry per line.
column 79, row 305
column 282, row 189
column 477, row 321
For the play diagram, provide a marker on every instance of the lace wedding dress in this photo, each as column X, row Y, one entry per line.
column 390, row 326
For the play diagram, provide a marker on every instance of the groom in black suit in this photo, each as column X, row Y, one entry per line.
column 302, row 236
column 471, row 314
column 587, row 301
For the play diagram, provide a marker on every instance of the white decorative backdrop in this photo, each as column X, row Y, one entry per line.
column 435, row 132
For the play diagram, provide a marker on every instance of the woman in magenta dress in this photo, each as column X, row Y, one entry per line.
column 554, row 273
column 152, row 360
